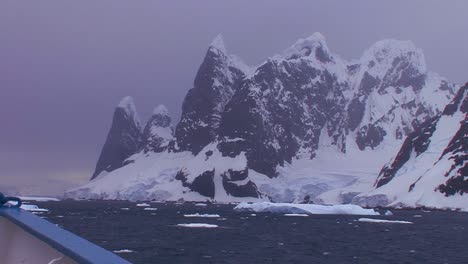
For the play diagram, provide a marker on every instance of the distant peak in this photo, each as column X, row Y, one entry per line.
column 218, row 43
column 160, row 110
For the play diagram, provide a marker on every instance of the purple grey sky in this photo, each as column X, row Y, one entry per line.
column 65, row 64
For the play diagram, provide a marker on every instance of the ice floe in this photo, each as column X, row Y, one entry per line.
column 38, row 199
column 203, row 215
column 289, row 208
column 123, row 251
column 296, row 215
column 33, row 208
column 371, row 220
column 198, row 225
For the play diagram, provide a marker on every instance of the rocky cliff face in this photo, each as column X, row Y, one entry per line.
column 217, row 79
column 300, row 125
column 123, row 140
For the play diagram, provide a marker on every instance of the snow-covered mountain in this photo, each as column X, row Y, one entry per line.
column 303, row 125
column 431, row 168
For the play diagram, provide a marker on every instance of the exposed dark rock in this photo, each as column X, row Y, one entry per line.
column 370, row 136
column 203, row 184
column 355, row 113
column 232, row 186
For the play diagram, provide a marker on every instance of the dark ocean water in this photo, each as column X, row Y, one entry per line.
column 154, row 237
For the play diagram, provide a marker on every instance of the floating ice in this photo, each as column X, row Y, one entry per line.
column 143, row 205
column 296, row 215
column 203, row 215
column 150, row 209
column 38, row 199
column 289, row 208
column 123, row 251
column 33, row 208
column 370, row 220
column 198, row 225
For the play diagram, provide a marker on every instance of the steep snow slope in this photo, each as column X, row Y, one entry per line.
column 431, row 167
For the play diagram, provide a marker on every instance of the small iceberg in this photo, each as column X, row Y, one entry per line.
column 39, row 199
column 296, row 215
column 198, row 225
column 203, row 215
column 123, row 251
column 201, row 204
column 150, row 209
column 309, row 209
column 370, row 220
column 143, row 205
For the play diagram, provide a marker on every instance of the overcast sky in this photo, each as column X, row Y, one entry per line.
column 64, row 65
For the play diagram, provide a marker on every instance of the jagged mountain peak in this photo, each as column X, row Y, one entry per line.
column 218, row 54
column 218, row 44
column 314, row 46
column 217, row 79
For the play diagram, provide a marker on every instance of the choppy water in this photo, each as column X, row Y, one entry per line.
column 154, row 237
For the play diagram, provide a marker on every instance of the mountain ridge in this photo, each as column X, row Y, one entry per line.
column 270, row 131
